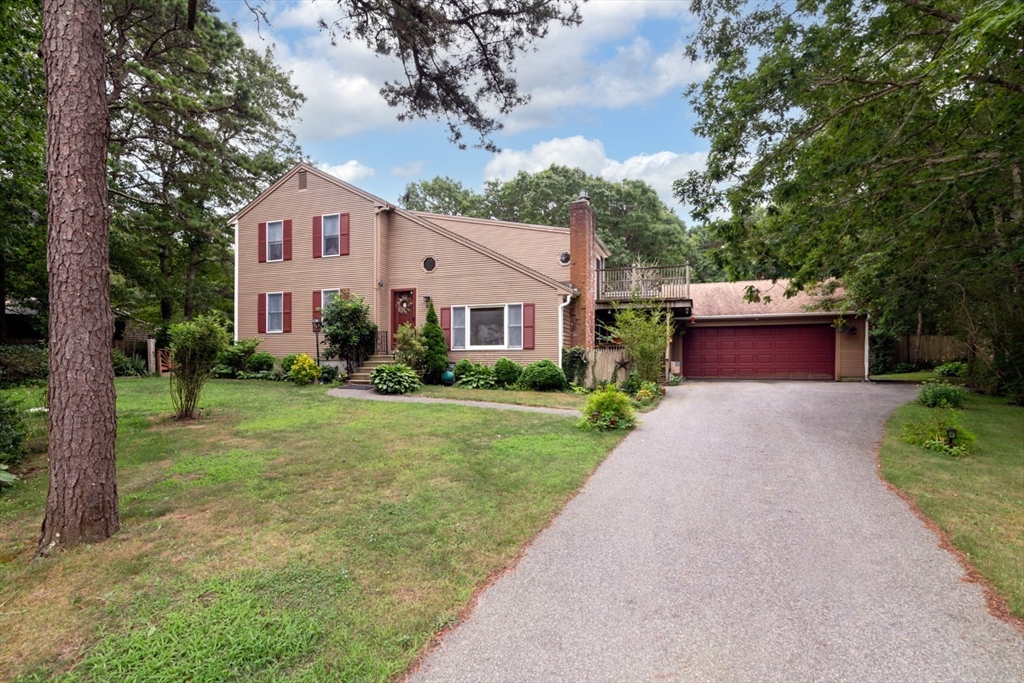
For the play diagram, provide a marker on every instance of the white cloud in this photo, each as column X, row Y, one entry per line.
column 409, row 169
column 659, row 170
column 350, row 171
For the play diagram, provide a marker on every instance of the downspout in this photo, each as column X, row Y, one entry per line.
column 867, row 349
column 561, row 327
column 235, row 322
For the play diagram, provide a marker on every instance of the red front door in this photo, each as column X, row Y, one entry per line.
column 769, row 352
column 403, row 310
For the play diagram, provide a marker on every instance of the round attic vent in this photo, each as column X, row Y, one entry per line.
column 563, row 258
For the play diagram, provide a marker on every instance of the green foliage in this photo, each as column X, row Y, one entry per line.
column 632, row 384
column 304, row 370
column 329, row 374
column 902, row 369
column 409, row 347
column 348, row 331
column 287, row 361
column 20, row 364
column 435, row 359
column 645, row 332
column 952, row 369
column 608, row 408
column 543, row 375
column 574, row 364
column 128, row 367
column 267, row 375
column 941, row 394
column 506, row 372
column 195, row 347
column 461, row 368
column 931, row 433
column 478, row 376
column 394, row 379
column 260, row 362
column 233, row 358
column 6, row 478
column 675, row 380
column 12, row 431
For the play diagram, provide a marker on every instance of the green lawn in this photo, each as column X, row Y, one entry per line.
column 979, row 499
column 286, row 535
column 919, row 376
column 545, row 399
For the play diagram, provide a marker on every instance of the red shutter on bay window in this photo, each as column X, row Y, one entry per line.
column 446, row 325
column 318, row 302
column 528, row 331
column 343, row 234
column 318, row 236
column 286, row 311
column 261, row 314
column 287, row 240
column 262, row 234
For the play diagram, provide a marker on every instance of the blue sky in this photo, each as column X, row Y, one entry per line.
column 606, row 97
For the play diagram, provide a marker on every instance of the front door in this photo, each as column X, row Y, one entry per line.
column 403, row 310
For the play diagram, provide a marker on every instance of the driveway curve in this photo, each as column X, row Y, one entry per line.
column 740, row 534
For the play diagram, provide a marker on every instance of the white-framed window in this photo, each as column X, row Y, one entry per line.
column 327, row 296
column 487, row 327
column 275, row 312
column 332, row 235
column 275, row 241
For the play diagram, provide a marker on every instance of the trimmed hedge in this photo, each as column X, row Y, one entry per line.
column 20, row 364
column 542, row 375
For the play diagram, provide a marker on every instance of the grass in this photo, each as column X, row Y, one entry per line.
column 286, row 535
column 919, row 376
column 545, row 399
column 977, row 500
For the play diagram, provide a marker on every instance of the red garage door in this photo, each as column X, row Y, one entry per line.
column 770, row 352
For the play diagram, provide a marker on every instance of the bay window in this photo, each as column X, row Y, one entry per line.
column 487, row 327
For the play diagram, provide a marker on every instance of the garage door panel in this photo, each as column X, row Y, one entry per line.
column 766, row 352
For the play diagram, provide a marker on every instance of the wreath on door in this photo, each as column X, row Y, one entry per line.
column 404, row 304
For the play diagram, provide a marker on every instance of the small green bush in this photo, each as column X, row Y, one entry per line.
column 644, row 397
column 952, row 369
column 477, row 377
column 409, row 347
column 435, row 357
column 329, row 374
column 12, row 431
column 543, row 375
column 268, row 375
column 578, row 390
column 606, row 409
column 507, row 372
column 128, row 367
column 288, row 361
column 901, row 369
column 632, row 384
column 235, row 356
column 941, row 394
column 20, row 364
column 195, row 347
column 260, row 362
column 931, row 433
column 461, row 368
column 304, row 370
column 6, row 478
column 395, row 379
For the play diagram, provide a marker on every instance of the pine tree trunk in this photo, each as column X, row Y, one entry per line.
column 82, row 502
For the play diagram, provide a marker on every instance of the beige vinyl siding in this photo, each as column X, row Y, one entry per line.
column 465, row 277
column 534, row 246
column 850, row 350
column 303, row 274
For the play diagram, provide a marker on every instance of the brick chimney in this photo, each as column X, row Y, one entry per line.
column 582, row 270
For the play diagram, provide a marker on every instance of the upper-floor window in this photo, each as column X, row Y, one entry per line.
column 275, row 312
column 487, row 327
column 332, row 235
column 275, row 241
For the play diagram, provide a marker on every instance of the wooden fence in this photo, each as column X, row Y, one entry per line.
column 602, row 364
column 934, row 349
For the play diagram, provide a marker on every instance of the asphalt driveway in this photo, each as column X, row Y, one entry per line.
column 740, row 534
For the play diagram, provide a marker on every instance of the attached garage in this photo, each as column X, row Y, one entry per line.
column 760, row 352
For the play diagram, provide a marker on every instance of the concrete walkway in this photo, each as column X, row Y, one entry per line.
column 371, row 395
column 740, row 534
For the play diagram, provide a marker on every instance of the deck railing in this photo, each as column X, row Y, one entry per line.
column 644, row 282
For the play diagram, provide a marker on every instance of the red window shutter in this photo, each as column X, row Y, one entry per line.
column 287, row 240
column 528, row 332
column 446, row 325
column 286, row 311
column 318, row 302
column 318, row 236
column 262, row 234
column 261, row 314
column 344, row 293
column 343, row 234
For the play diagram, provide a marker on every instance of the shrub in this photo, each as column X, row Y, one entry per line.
column 645, row 332
column 260, row 362
column 268, row 375
column 12, row 431
column 952, row 369
column 901, row 369
column 304, row 370
column 435, row 358
column 477, row 377
column 128, row 367
column 195, row 347
column 941, row 394
column 288, row 361
column 223, row 371
column 644, row 397
column 20, row 364
column 329, row 374
column 461, row 368
column 608, row 408
column 574, row 364
column 235, row 356
column 395, row 379
column 409, row 347
column 632, row 384
column 542, row 375
column 348, row 331
column 931, row 433
column 6, row 478
column 507, row 372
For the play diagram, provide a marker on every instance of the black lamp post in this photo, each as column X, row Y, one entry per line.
column 317, row 326
column 950, row 436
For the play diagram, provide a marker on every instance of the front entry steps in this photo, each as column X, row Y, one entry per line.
column 362, row 374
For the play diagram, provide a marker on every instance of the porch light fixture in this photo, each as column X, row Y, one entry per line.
column 318, row 325
column 950, row 436
column 380, row 284
column 426, row 298
column 853, row 331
